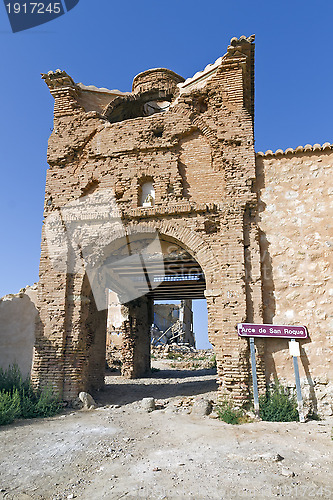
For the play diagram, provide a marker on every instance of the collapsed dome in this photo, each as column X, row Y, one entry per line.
column 157, row 79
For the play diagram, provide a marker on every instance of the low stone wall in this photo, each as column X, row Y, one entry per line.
column 17, row 329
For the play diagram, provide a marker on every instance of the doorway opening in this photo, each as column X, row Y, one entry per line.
column 179, row 336
column 163, row 333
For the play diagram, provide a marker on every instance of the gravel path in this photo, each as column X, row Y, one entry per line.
column 120, row 451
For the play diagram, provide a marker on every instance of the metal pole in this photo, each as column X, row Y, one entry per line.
column 298, row 389
column 254, row 377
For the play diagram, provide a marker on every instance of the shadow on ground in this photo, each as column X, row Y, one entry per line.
column 160, row 385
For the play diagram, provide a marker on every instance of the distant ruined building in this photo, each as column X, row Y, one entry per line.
column 171, row 324
column 251, row 233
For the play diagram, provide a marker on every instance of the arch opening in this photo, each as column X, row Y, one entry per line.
column 131, row 331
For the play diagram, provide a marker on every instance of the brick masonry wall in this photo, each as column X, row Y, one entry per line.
column 296, row 234
column 259, row 228
column 200, row 155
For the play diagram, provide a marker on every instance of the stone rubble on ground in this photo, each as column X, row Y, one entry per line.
column 201, row 407
column 148, row 404
column 269, row 457
column 87, row 400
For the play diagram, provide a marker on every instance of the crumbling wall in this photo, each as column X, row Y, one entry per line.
column 174, row 320
column 199, row 154
column 296, row 238
column 260, row 230
column 136, row 338
column 18, row 315
column 164, row 315
column 114, row 322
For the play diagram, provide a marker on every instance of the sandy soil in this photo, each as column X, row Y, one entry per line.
column 120, row 451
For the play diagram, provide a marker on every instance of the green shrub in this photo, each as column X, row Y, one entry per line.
column 9, row 406
column 18, row 399
column 279, row 404
column 313, row 416
column 28, row 403
column 195, row 366
column 228, row 414
column 47, row 404
column 11, row 379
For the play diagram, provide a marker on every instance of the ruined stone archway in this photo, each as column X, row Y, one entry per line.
column 83, row 351
column 196, row 147
column 137, row 314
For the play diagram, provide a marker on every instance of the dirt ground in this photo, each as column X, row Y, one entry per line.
column 121, row 451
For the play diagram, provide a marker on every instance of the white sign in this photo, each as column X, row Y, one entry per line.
column 294, row 349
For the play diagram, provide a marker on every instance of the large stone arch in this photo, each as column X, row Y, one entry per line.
column 78, row 351
column 84, row 350
column 73, row 357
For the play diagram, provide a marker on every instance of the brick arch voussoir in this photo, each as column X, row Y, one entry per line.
column 193, row 243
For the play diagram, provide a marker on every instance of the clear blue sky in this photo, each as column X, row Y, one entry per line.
column 107, row 43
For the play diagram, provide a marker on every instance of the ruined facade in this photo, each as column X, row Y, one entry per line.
column 172, row 323
column 179, row 157
column 166, row 317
